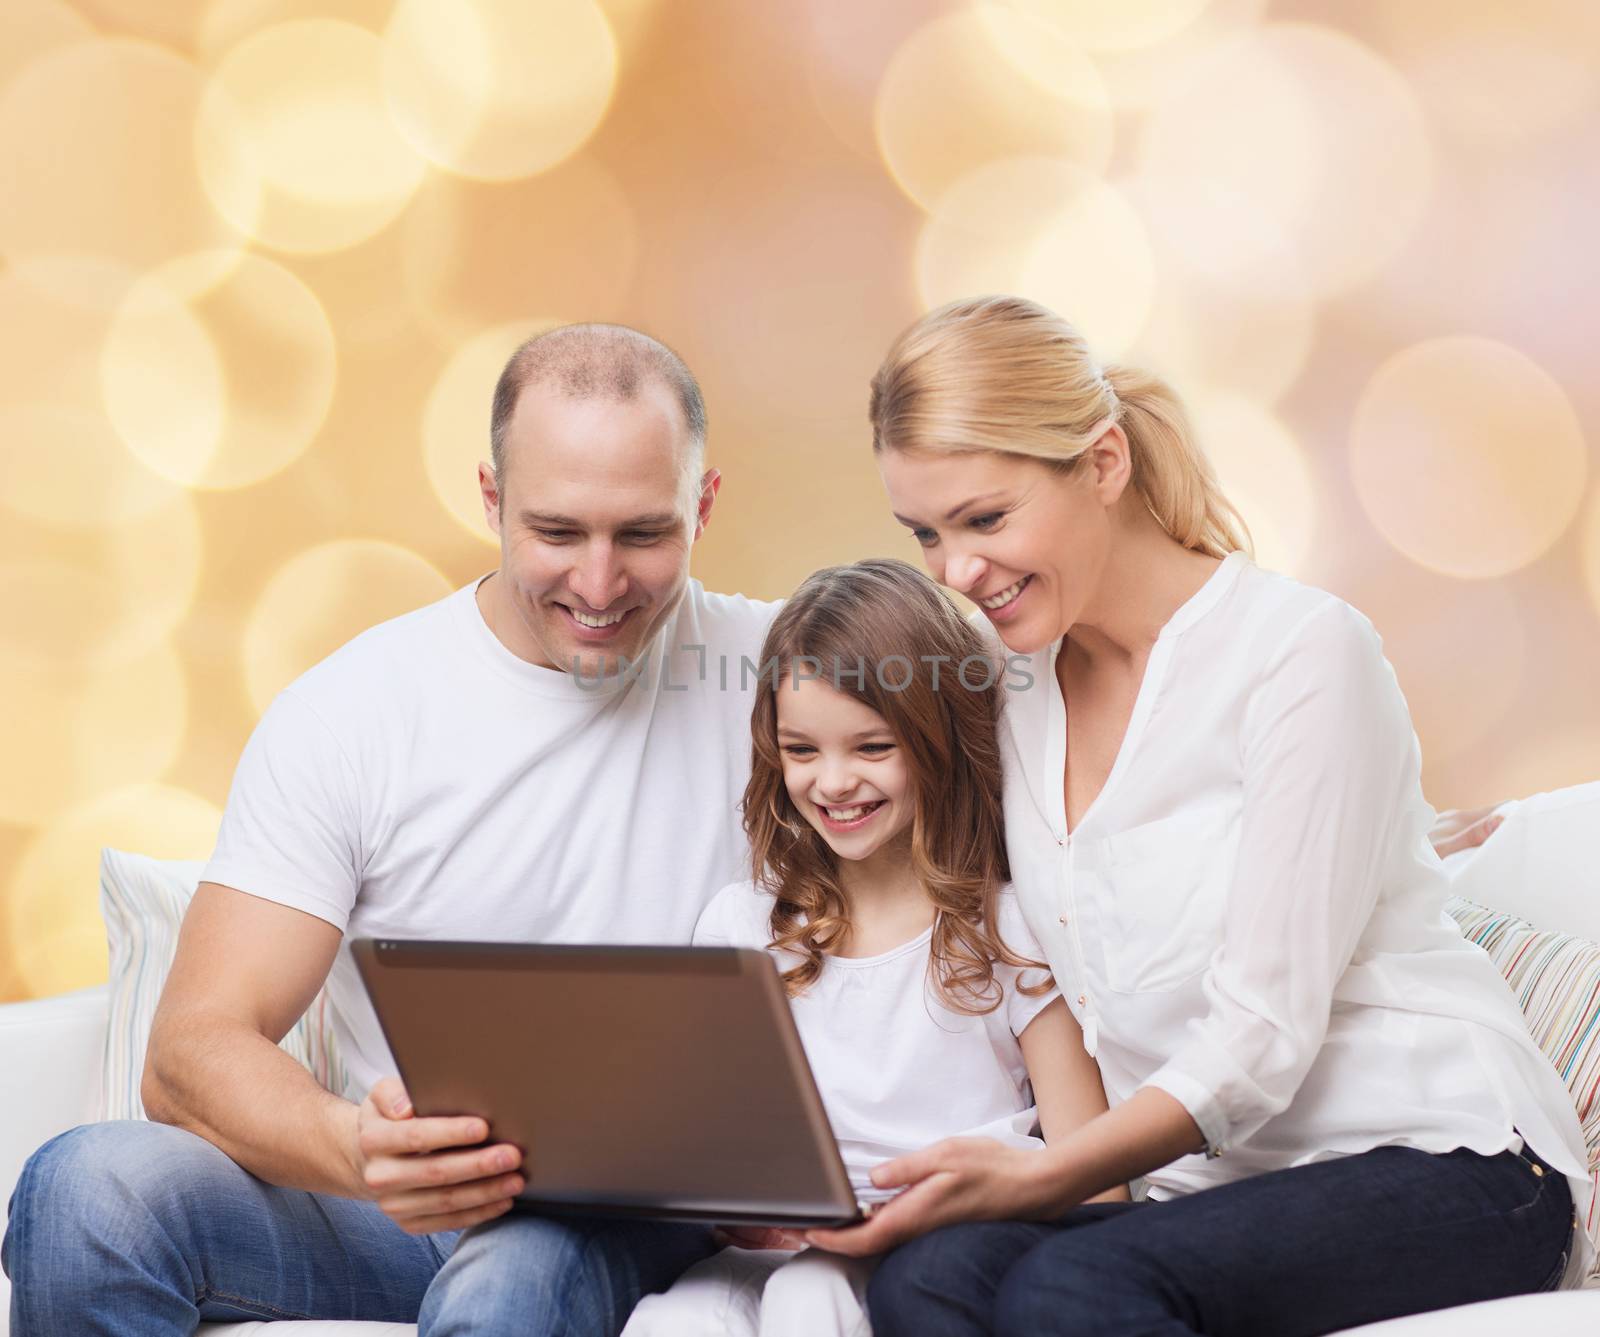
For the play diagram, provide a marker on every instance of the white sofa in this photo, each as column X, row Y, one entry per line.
column 50, row 1066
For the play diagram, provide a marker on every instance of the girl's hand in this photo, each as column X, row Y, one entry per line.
column 959, row 1179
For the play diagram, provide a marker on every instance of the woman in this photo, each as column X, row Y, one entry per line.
column 1217, row 835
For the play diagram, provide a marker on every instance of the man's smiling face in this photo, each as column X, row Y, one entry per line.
column 598, row 505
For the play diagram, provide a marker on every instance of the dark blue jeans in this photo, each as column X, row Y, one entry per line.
column 1315, row 1249
column 136, row 1229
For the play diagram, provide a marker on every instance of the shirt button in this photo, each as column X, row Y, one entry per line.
column 1082, row 999
column 1062, row 920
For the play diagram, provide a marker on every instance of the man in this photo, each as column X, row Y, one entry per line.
column 495, row 766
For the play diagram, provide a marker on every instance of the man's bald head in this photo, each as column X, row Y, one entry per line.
column 594, row 361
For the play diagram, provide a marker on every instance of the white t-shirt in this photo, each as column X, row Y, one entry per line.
column 897, row 1069
column 425, row 782
column 1249, row 915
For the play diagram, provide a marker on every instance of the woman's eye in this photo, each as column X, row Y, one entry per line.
column 926, row 537
column 986, row 521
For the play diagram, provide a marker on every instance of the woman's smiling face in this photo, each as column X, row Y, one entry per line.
column 1025, row 542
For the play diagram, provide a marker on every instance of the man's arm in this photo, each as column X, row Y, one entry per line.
column 246, row 969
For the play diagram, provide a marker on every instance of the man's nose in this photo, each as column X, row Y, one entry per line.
column 598, row 578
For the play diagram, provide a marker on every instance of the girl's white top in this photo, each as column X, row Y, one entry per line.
column 1250, row 917
column 896, row 1068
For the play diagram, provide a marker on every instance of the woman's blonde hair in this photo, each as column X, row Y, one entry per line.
column 850, row 624
column 1006, row 374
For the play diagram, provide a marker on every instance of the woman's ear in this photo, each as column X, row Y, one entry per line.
column 1110, row 462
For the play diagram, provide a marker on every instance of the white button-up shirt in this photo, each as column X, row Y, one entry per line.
column 1249, row 915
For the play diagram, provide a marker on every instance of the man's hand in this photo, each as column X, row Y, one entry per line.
column 1463, row 828
column 411, row 1171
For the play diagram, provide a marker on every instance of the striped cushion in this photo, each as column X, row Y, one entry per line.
column 143, row 901
column 1556, row 979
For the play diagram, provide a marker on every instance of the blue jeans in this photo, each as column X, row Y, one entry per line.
column 133, row 1229
column 1315, row 1249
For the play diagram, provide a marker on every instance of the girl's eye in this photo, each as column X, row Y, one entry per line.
column 877, row 749
column 799, row 749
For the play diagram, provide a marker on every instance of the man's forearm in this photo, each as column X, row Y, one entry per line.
column 232, row 1086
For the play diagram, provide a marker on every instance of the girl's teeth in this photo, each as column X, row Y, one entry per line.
column 605, row 620
column 849, row 814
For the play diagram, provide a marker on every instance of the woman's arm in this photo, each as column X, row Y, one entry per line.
column 1066, row 1081
column 1331, row 794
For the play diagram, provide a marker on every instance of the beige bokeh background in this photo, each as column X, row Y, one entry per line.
column 260, row 261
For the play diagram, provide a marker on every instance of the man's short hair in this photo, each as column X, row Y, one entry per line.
column 592, row 361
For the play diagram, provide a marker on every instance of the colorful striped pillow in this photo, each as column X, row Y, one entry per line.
column 143, row 901
column 1556, row 978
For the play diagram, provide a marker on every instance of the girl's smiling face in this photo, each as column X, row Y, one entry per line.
column 842, row 767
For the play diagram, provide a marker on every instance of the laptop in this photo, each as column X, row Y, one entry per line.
column 664, row 1082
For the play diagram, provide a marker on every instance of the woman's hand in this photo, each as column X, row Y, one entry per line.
column 1463, row 828
column 959, row 1179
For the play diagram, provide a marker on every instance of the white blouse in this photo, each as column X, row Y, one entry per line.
column 1249, row 915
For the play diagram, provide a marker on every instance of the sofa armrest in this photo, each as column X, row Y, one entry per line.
column 50, row 1062
column 50, row 1059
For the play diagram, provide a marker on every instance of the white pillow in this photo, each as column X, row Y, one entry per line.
column 143, row 901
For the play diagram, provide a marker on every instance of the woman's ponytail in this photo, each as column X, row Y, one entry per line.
column 1169, row 468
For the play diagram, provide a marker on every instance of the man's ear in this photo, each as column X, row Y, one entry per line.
column 489, row 491
column 710, row 485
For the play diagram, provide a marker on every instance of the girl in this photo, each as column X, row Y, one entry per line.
column 1217, row 834
column 874, row 818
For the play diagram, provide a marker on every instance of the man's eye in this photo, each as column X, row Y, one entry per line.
column 641, row 537
column 554, row 535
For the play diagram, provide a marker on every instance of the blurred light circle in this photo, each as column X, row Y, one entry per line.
column 1232, row 308
column 85, row 730
column 1043, row 229
column 325, row 596
column 847, row 48
column 1311, row 128
column 100, row 180
column 982, row 84
column 54, row 900
column 226, row 23
column 1456, row 699
column 1136, row 77
column 29, row 28
column 97, row 597
column 64, row 465
column 300, row 107
column 1498, row 73
column 477, row 255
column 455, row 423
column 1263, row 472
column 1467, row 456
column 1111, row 27
column 1591, row 550
column 222, row 389
column 498, row 89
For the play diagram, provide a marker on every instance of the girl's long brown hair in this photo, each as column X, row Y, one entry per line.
column 866, row 629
